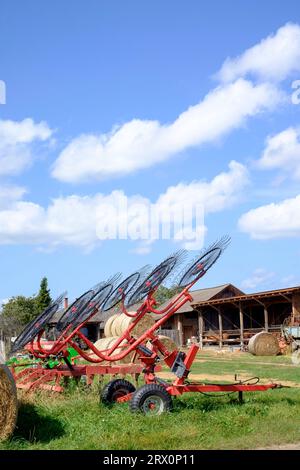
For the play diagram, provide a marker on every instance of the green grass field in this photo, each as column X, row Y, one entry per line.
column 76, row 420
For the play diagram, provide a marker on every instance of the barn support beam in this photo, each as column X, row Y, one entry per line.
column 201, row 328
column 296, row 308
column 266, row 316
column 241, row 325
column 220, row 328
column 180, row 329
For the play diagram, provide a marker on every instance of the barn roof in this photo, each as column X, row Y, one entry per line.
column 260, row 297
column 199, row 295
column 204, row 295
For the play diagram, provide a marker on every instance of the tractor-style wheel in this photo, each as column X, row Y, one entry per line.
column 116, row 389
column 151, row 399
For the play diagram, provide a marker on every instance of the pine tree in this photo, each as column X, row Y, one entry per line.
column 43, row 299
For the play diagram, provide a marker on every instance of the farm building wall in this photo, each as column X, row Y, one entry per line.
column 231, row 322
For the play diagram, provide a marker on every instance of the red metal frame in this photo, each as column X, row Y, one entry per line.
column 30, row 379
column 179, row 386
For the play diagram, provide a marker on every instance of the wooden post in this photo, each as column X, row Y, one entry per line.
column 180, row 329
column 295, row 308
column 201, row 328
column 241, row 325
column 266, row 318
column 220, row 329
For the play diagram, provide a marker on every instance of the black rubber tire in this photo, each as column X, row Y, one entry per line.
column 151, row 394
column 115, row 389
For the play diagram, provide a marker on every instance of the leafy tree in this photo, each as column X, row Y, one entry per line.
column 9, row 326
column 20, row 310
column 165, row 293
column 43, row 299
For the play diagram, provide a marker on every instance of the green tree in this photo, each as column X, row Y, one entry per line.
column 20, row 310
column 165, row 293
column 43, row 299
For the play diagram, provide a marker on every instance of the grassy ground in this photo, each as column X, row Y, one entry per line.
column 76, row 420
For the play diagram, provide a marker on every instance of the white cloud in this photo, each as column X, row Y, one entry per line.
column 143, row 248
column 276, row 220
column 9, row 193
column 274, row 58
column 74, row 220
column 221, row 192
column 16, row 143
column 140, row 144
column 259, row 278
column 3, row 302
column 282, row 151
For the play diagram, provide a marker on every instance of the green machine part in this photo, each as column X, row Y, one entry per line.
column 71, row 353
column 50, row 363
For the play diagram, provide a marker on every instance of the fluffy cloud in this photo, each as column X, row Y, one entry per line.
column 259, row 278
column 273, row 220
column 140, row 144
column 9, row 193
column 274, row 58
column 282, row 151
column 221, row 192
column 16, row 143
column 76, row 220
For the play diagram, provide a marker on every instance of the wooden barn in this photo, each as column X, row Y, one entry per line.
column 225, row 315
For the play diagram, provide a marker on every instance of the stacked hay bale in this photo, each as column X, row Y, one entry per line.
column 122, row 321
column 114, row 327
column 117, row 324
column 263, row 344
column 106, row 343
column 168, row 343
column 8, row 402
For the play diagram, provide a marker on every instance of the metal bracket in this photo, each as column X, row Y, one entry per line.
column 179, row 368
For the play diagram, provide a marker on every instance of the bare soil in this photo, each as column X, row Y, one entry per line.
column 225, row 378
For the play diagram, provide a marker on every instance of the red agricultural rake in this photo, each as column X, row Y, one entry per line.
column 155, row 396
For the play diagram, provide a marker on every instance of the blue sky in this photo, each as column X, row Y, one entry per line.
column 86, row 80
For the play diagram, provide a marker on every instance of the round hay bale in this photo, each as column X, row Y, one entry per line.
column 107, row 343
column 108, row 324
column 8, row 402
column 142, row 326
column 166, row 341
column 101, row 345
column 116, row 325
column 126, row 359
column 263, row 344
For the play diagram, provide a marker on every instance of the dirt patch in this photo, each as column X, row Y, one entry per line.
column 231, row 361
column 281, row 447
column 225, row 378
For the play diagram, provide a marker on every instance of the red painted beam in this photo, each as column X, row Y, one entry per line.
column 193, row 388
